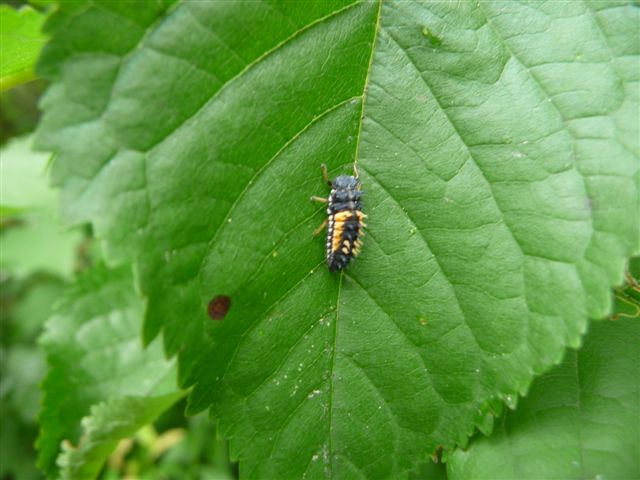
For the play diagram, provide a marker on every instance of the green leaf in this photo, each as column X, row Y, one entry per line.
column 430, row 471
column 22, row 370
column 201, row 455
column 23, row 177
column 108, row 423
column 627, row 297
column 33, row 304
column 32, row 238
column 21, row 42
column 497, row 144
column 39, row 244
column 16, row 456
column 580, row 420
column 24, row 306
column 95, row 355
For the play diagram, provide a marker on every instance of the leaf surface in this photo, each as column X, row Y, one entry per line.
column 499, row 159
column 21, row 42
column 580, row 420
column 23, row 177
column 32, row 238
column 108, row 423
column 94, row 355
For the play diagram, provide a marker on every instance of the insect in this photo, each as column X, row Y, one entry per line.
column 345, row 220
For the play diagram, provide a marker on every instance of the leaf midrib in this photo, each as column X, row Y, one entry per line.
column 342, row 274
column 328, row 458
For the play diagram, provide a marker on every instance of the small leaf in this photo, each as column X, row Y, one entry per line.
column 23, row 177
column 108, row 423
column 32, row 238
column 38, row 243
column 24, row 307
column 430, row 471
column 627, row 297
column 16, row 456
column 94, row 355
column 33, row 303
column 22, row 370
column 21, row 41
column 578, row 421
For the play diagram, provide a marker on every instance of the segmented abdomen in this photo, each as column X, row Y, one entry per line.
column 344, row 237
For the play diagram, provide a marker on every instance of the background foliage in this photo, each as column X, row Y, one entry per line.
column 585, row 411
column 498, row 148
column 22, row 40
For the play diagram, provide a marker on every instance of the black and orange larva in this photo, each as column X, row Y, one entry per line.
column 345, row 220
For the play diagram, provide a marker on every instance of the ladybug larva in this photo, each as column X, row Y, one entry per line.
column 345, row 220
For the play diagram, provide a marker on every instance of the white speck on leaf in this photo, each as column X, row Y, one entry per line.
column 314, row 393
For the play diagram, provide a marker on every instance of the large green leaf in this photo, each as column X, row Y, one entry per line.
column 497, row 143
column 94, row 354
column 580, row 420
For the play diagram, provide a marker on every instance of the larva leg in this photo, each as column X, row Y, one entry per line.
column 315, row 198
column 325, row 174
column 317, row 231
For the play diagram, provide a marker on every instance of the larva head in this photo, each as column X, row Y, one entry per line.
column 345, row 182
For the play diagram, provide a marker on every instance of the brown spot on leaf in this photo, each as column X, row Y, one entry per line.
column 218, row 307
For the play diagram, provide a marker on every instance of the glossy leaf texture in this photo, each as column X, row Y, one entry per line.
column 580, row 420
column 95, row 355
column 497, row 145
